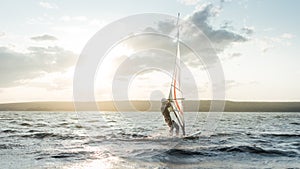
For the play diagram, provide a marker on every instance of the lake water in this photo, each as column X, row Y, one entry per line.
column 141, row 140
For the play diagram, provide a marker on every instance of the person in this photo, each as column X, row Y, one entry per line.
column 166, row 107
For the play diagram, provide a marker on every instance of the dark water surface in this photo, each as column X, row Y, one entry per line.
column 140, row 140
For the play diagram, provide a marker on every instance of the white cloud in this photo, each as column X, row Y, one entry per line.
column 44, row 38
column 73, row 18
column 189, row 2
column 17, row 67
column 287, row 36
column 220, row 38
column 248, row 30
column 232, row 84
column 200, row 20
column 45, row 19
column 266, row 43
column 52, row 81
column 209, row 8
column 229, row 56
column 2, row 34
column 48, row 5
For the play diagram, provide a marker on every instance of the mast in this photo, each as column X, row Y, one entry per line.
column 178, row 47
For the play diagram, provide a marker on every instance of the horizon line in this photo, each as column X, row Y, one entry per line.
column 229, row 100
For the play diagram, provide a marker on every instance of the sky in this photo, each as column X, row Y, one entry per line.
column 257, row 43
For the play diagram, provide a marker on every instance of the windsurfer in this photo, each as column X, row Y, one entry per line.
column 165, row 109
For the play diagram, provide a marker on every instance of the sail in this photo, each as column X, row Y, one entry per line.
column 175, row 95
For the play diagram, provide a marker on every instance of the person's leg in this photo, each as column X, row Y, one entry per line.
column 176, row 127
column 171, row 130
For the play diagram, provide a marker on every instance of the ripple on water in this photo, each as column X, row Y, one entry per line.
column 257, row 150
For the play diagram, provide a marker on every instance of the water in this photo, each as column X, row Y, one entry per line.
column 140, row 140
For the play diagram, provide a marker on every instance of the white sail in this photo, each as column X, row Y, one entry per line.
column 175, row 95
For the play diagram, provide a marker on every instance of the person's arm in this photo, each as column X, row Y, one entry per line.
column 168, row 104
column 166, row 107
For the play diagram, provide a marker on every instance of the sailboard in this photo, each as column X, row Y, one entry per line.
column 176, row 94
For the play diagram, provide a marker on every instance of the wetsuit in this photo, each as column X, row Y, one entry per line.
column 171, row 123
column 166, row 113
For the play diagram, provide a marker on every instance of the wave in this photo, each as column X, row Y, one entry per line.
column 9, row 146
column 132, row 135
column 41, row 125
column 6, row 119
column 296, row 144
column 25, row 124
column 181, row 156
column 229, row 134
column 213, row 151
column 191, row 138
column 180, row 152
column 284, row 135
column 64, row 124
column 4, row 146
column 52, row 135
column 64, row 155
column 32, row 131
column 257, row 150
column 9, row 131
column 77, row 155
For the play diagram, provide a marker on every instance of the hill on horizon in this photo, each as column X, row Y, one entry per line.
column 139, row 105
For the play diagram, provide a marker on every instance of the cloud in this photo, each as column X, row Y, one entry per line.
column 16, row 67
column 2, row 34
column 231, row 56
column 248, row 30
column 44, row 38
column 48, row 5
column 287, row 36
column 227, row 25
column 52, row 81
column 215, row 40
column 266, row 43
column 222, row 37
column 232, row 84
column 189, row 2
column 44, row 19
column 165, row 27
column 234, row 55
column 73, row 18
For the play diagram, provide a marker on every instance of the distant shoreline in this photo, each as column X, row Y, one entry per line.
column 189, row 106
